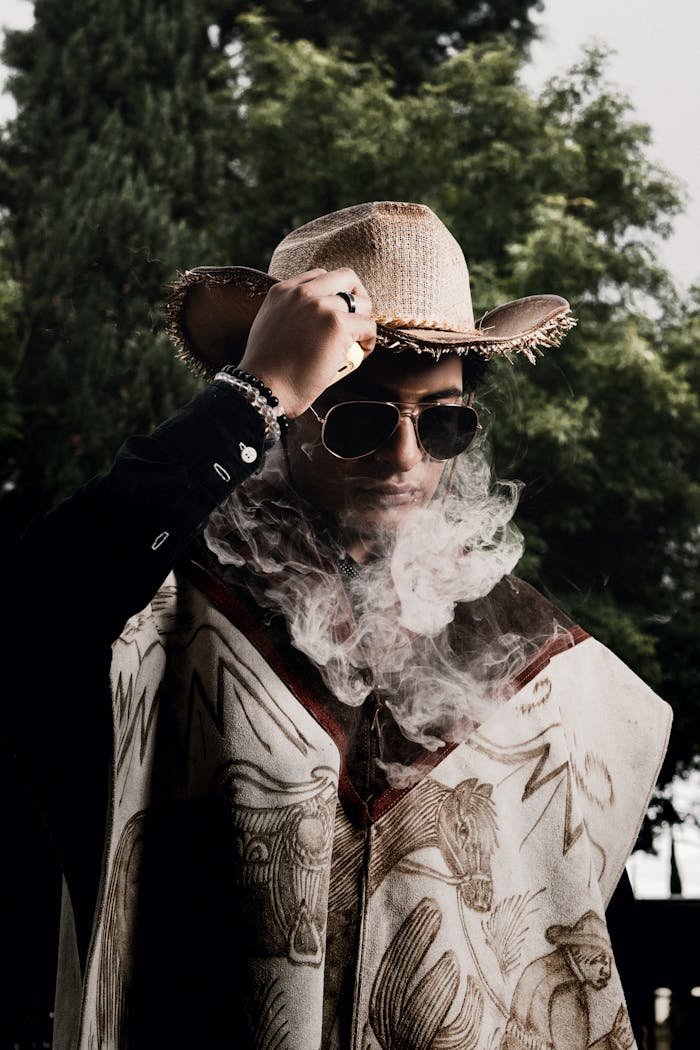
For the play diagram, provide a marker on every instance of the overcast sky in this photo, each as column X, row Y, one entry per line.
column 657, row 44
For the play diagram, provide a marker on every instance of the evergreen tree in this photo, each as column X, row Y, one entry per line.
column 606, row 434
column 675, row 883
column 133, row 173
column 111, row 176
column 406, row 40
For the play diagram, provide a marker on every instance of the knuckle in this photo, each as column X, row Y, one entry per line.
column 349, row 273
column 335, row 322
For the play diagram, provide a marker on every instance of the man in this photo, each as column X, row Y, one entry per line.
column 357, row 770
column 550, row 1007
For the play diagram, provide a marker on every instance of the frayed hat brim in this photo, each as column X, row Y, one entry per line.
column 211, row 309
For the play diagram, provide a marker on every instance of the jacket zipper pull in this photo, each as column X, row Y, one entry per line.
column 376, row 720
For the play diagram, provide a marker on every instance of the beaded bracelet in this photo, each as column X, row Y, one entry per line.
column 273, row 425
column 257, row 384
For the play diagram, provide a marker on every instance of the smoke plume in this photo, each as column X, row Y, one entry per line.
column 392, row 628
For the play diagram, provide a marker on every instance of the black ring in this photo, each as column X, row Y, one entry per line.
column 349, row 299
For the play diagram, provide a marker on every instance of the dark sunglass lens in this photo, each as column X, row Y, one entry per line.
column 357, row 428
column 447, row 430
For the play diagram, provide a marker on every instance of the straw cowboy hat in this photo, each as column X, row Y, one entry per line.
column 412, row 267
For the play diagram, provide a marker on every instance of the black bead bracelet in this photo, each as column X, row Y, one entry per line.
column 251, row 380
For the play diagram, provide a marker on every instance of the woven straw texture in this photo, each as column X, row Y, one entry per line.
column 413, row 269
column 407, row 259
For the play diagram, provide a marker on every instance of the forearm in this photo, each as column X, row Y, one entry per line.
column 102, row 553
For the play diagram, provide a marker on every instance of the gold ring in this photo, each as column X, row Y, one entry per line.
column 353, row 358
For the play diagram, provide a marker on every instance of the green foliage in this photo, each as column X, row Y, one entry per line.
column 162, row 150
column 405, row 40
column 121, row 120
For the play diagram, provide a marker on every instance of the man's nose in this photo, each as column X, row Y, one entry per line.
column 402, row 450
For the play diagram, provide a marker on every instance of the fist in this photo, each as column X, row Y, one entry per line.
column 302, row 333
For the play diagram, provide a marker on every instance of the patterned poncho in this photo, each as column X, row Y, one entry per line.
column 260, row 891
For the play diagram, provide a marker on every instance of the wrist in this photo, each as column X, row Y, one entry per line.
column 260, row 397
column 275, row 385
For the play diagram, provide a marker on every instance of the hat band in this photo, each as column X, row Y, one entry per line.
column 389, row 321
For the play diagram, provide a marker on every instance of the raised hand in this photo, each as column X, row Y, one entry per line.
column 300, row 338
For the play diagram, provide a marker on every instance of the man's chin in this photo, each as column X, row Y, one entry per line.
column 375, row 519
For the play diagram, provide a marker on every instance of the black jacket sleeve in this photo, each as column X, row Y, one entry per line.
column 74, row 579
column 101, row 554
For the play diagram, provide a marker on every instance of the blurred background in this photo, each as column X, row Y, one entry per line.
column 558, row 142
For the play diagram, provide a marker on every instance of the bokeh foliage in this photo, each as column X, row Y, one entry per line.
column 152, row 136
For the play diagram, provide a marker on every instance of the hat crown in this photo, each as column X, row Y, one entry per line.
column 412, row 267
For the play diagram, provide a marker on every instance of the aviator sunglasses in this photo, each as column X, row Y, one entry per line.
column 354, row 429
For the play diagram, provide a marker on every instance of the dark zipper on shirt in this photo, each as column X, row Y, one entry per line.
column 373, row 730
column 374, row 738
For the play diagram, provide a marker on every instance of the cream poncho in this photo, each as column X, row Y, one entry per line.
column 465, row 912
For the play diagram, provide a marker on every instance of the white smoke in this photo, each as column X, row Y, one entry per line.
column 392, row 629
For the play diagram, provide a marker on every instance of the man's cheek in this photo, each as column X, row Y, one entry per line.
column 436, row 472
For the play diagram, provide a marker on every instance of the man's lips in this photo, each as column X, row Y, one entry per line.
column 390, row 495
